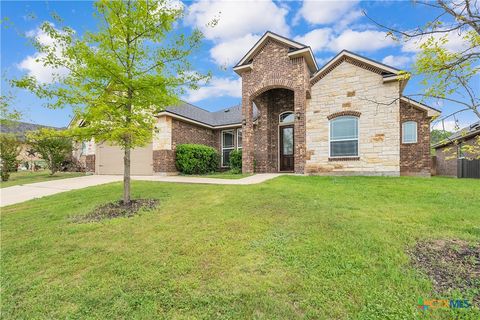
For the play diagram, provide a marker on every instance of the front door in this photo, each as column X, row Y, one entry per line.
column 286, row 148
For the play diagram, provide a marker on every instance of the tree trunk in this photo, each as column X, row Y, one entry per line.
column 126, row 176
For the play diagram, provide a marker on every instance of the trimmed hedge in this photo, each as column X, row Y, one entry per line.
column 196, row 159
column 236, row 161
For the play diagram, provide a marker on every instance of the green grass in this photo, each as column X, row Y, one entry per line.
column 291, row 248
column 222, row 175
column 24, row 177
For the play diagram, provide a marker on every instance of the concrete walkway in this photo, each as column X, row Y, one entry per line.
column 21, row 193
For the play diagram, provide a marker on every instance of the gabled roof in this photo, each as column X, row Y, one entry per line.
column 431, row 112
column 389, row 73
column 469, row 131
column 296, row 49
column 225, row 117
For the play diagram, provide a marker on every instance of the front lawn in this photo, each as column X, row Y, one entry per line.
column 25, row 177
column 222, row 175
column 290, row 248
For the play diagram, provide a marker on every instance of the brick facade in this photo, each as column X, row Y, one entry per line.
column 446, row 156
column 266, row 133
column 184, row 132
column 90, row 163
column 181, row 132
column 272, row 68
column 415, row 158
column 164, row 161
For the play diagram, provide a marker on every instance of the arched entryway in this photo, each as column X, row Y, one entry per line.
column 273, row 131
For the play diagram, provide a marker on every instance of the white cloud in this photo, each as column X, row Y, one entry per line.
column 237, row 18
column 366, row 41
column 397, row 61
column 447, row 125
column 324, row 39
column 327, row 12
column 229, row 52
column 317, row 39
column 33, row 63
column 217, row 87
column 455, row 42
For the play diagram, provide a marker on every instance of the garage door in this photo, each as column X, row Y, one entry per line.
column 109, row 160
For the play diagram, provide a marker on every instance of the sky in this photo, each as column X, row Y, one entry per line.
column 326, row 26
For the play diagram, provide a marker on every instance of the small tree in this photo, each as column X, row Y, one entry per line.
column 10, row 148
column 52, row 147
column 122, row 75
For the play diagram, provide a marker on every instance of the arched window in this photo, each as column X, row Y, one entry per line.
column 344, row 137
column 409, row 132
column 287, row 117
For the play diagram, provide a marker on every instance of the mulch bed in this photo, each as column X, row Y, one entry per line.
column 450, row 264
column 117, row 209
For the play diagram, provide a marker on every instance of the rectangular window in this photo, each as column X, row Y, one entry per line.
column 228, row 145
column 344, row 137
column 409, row 130
column 239, row 138
column 84, row 147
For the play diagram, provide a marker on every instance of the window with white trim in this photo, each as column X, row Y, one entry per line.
column 228, row 138
column 409, row 132
column 84, row 148
column 344, row 137
column 239, row 139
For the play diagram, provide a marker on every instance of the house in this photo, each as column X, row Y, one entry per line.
column 347, row 117
column 27, row 157
column 450, row 150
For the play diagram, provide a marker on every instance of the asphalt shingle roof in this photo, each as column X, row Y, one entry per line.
column 470, row 130
column 232, row 115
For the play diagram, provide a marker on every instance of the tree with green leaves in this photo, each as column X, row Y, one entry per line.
column 120, row 76
column 52, row 147
column 448, row 75
column 10, row 147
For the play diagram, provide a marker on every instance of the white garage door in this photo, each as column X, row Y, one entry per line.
column 109, row 160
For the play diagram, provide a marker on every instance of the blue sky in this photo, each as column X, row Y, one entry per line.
column 327, row 26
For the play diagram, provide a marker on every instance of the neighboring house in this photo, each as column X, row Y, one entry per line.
column 448, row 151
column 20, row 129
column 347, row 118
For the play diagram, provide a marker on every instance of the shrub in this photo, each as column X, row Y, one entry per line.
column 52, row 147
column 10, row 148
column 236, row 161
column 196, row 159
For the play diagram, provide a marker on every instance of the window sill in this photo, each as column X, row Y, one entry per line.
column 343, row 158
column 410, row 142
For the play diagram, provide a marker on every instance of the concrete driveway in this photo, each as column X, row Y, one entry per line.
column 21, row 193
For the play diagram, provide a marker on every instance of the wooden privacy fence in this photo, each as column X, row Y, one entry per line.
column 468, row 168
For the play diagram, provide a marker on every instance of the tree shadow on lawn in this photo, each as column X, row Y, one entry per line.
column 117, row 209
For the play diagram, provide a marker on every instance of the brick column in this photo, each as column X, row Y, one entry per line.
column 299, row 129
column 247, row 136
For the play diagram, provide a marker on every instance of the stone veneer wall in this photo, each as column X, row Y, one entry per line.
column 272, row 69
column 352, row 88
column 270, row 105
column 415, row 158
